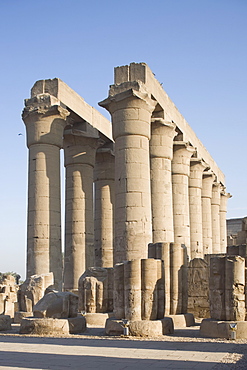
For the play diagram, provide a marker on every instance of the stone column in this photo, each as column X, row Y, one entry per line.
column 161, row 153
column 132, row 293
column 118, row 295
column 149, row 299
column 45, row 121
column 235, row 288
column 176, row 278
column 180, row 187
column 207, row 183
column 224, row 196
column 131, row 116
column 104, row 182
column 215, row 204
column 79, row 154
column 197, row 166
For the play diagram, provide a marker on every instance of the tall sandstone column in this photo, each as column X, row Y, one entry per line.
column 131, row 108
column 215, row 203
column 161, row 153
column 224, row 196
column 197, row 166
column 207, row 183
column 79, row 154
column 104, row 181
column 45, row 121
column 182, row 153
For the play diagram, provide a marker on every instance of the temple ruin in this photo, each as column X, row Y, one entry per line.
column 143, row 196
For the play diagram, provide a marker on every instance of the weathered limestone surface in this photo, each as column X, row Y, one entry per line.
column 173, row 277
column 197, row 166
column 32, row 290
column 155, row 190
column 221, row 329
column 224, row 196
column 207, row 184
column 79, row 151
column 8, row 295
column 180, row 188
column 178, row 279
column 44, row 326
column 141, row 328
column 104, row 181
column 45, row 120
column 161, row 153
column 96, row 290
column 5, row 322
column 198, row 288
column 227, row 288
column 139, row 292
column 56, row 305
column 216, row 218
column 131, row 108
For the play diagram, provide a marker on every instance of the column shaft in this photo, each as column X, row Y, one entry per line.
column 207, row 183
column 79, row 224
column 131, row 116
column 44, row 123
column 161, row 152
column 195, row 201
column 180, row 187
column 215, row 204
column 223, row 210
column 104, row 207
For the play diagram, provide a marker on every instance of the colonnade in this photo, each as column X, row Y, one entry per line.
column 150, row 183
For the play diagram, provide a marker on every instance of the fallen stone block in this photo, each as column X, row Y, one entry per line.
column 221, row 329
column 57, row 305
column 5, row 322
column 77, row 324
column 44, row 326
column 19, row 315
column 182, row 320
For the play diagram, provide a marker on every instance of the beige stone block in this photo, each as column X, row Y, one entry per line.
column 146, row 328
column 5, row 322
column 44, row 326
column 77, row 324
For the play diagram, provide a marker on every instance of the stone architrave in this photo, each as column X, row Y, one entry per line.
column 207, row 184
column 45, row 120
column 161, row 153
column 131, row 107
column 104, row 182
column 79, row 152
column 182, row 152
column 215, row 204
column 224, row 196
column 197, row 166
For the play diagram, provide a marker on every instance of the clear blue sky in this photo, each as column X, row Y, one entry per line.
column 196, row 48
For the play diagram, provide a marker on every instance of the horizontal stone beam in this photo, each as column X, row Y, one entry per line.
column 71, row 100
column 142, row 73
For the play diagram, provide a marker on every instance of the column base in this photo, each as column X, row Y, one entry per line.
column 221, row 329
column 140, row 328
